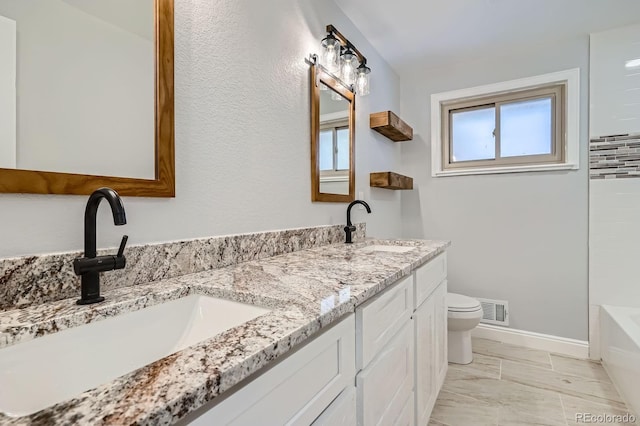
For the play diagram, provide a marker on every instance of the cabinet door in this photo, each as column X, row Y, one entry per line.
column 407, row 415
column 440, row 296
column 341, row 412
column 385, row 386
column 379, row 320
column 426, row 347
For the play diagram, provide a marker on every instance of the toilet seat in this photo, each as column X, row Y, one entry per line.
column 459, row 303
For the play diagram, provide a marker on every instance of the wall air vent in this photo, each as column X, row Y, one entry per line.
column 494, row 311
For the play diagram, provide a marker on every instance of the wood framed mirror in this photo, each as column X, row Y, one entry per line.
column 332, row 138
column 105, row 115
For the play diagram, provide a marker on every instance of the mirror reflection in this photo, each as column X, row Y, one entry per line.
column 334, row 152
column 77, row 86
column 332, row 138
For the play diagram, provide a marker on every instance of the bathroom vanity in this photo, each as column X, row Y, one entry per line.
column 393, row 349
column 344, row 334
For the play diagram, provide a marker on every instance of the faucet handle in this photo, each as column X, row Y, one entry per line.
column 123, row 243
column 119, row 260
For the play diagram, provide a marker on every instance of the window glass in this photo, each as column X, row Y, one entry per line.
column 525, row 128
column 472, row 134
column 326, row 150
column 343, row 149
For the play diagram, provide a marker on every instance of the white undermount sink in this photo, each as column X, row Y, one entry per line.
column 387, row 248
column 51, row 369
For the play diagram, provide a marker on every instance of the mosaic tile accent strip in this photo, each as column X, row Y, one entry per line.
column 33, row 280
column 614, row 157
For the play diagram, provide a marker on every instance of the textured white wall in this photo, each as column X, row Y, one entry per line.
column 519, row 236
column 85, row 86
column 242, row 136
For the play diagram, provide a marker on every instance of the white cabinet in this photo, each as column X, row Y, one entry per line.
column 385, row 386
column 441, row 310
column 428, row 276
column 380, row 319
column 406, row 417
column 393, row 387
column 430, row 320
column 296, row 390
column 341, row 412
column 425, row 329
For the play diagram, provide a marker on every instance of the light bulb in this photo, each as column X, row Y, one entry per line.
column 348, row 73
column 331, row 58
column 362, row 80
column 348, row 67
column 362, row 84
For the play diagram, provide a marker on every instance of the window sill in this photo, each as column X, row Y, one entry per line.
column 334, row 179
column 505, row 169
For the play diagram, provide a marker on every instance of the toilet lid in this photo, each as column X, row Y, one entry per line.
column 459, row 303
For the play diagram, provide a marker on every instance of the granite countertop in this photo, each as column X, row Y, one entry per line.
column 295, row 286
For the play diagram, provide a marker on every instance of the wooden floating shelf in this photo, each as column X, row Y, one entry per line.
column 390, row 180
column 391, row 126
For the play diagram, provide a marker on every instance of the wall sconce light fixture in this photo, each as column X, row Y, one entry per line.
column 331, row 53
column 341, row 58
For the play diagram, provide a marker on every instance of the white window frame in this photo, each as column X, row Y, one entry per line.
column 571, row 161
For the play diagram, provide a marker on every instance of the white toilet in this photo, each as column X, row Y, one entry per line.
column 464, row 313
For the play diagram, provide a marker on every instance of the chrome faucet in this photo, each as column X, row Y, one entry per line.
column 90, row 266
column 350, row 228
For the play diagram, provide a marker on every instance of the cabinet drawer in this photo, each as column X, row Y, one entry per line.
column 296, row 390
column 341, row 412
column 387, row 383
column 428, row 277
column 380, row 319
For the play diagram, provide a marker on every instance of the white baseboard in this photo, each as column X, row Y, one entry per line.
column 529, row 339
column 594, row 332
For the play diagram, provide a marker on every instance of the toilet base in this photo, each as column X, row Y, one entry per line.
column 460, row 347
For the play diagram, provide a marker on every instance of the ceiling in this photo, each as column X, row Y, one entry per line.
column 432, row 33
column 134, row 16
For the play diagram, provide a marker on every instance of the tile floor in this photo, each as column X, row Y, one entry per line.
column 512, row 385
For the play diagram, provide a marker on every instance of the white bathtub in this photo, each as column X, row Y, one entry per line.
column 620, row 350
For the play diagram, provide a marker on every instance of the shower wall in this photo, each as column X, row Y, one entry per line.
column 614, row 190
